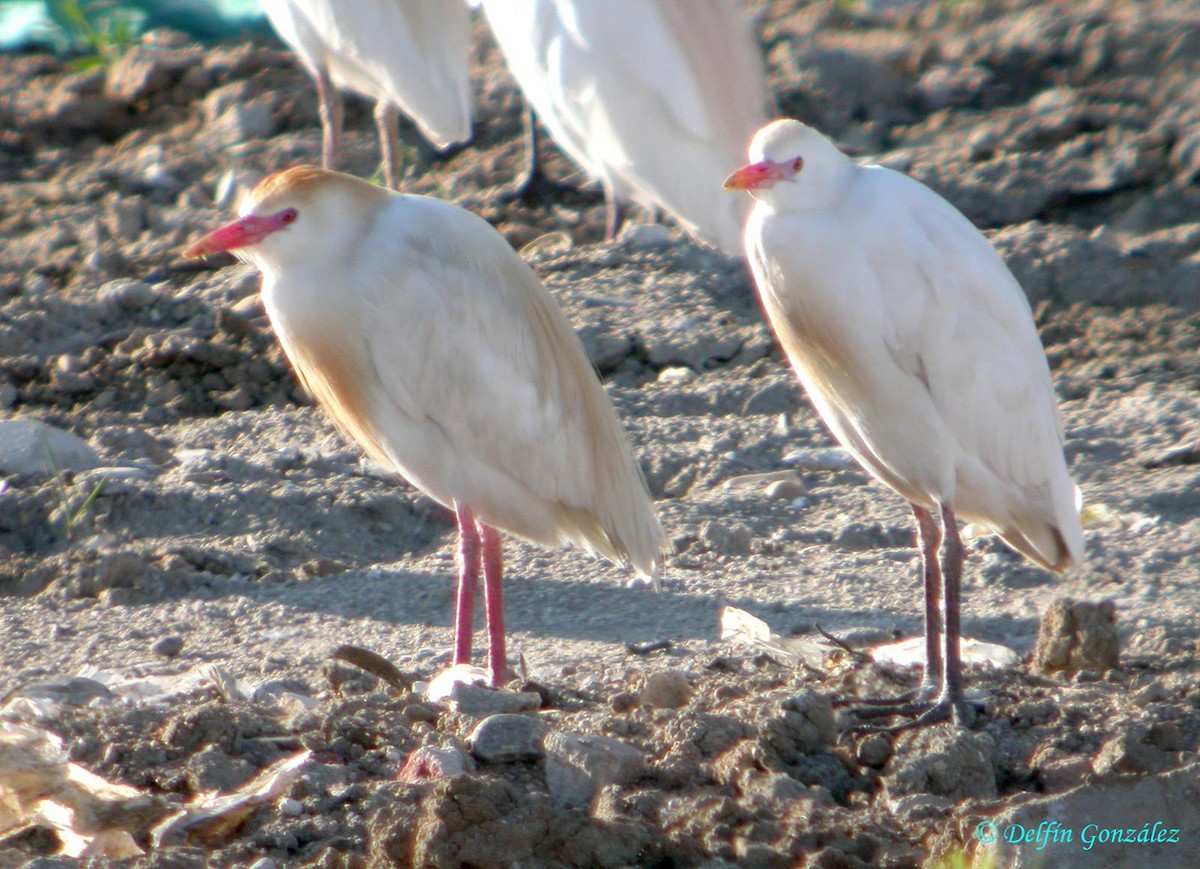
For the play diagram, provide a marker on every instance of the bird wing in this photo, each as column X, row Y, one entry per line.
column 413, row 53
column 484, row 392
column 636, row 40
column 958, row 320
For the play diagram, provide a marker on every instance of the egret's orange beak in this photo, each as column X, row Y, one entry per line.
column 758, row 176
column 243, row 232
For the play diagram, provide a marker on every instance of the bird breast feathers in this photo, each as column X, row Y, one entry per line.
column 904, row 280
column 457, row 335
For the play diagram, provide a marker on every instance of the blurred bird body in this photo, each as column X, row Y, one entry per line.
column 655, row 98
column 407, row 54
column 434, row 347
column 913, row 341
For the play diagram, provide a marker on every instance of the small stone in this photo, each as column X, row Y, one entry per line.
column 784, row 490
column 646, row 236
column 865, row 536
column 578, row 765
column 479, row 701
column 667, row 689
column 780, row 397
column 168, row 647
column 125, row 294
column 507, row 738
column 1076, row 636
column 430, row 762
column 263, row 863
column 732, row 538
column 874, row 750
column 290, row 808
column 623, row 701
column 830, row 459
column 29, row 446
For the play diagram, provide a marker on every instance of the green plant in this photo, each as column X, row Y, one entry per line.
column 961, row 860
column 101, row 27
column 72, row 514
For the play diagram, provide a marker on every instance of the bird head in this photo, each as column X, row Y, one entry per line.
column 792, row 167
column 298, row 215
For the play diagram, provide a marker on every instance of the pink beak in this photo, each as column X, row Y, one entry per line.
column 243, row 232
column 757, row 176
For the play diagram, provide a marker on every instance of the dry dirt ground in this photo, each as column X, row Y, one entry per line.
column 237, row 531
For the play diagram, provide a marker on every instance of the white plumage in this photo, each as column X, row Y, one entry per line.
column 655, row 98
column 912, row 339
column 406, row 54
column 439, row 351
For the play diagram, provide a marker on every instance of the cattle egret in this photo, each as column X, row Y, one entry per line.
column 655, row 98
column 410, row 54
column 918, row 349
column 436, row 349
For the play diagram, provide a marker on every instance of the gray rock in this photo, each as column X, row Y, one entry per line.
column 1075, row 636
column 782, row 396
column 126, row 295
column 507, row 738
column 863, row 536
column 873, row 750
column 732, row 538
column 578, row 765
column 646, row 236
column 479, row 701
column 667, row 689
column 168, row 647
column 29, row 446
column 784, row 490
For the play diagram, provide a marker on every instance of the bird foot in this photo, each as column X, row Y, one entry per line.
column 525, row 188
column 925, row 712
column 924, row 694
column 498, row 677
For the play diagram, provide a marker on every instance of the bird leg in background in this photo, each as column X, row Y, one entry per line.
column 613, row 211
column 532, row 175
column 493, row 601
column 329, row 99
column 523, row 185
column 387, row 122
column 468, row 579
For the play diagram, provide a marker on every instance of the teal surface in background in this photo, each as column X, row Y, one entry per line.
column 27, row 24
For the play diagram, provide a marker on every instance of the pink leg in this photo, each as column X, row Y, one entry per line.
column 929, row 537
column 468, row 579
column 493, row 599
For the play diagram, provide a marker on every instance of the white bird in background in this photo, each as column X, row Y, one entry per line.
column 918, row 348
column 655, row 98
column 437, row 350
column 407, row 54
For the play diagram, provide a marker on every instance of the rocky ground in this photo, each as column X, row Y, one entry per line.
column 175, row 591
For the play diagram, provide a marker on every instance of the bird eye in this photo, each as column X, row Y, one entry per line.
column 797, row 164
column 288, row 215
